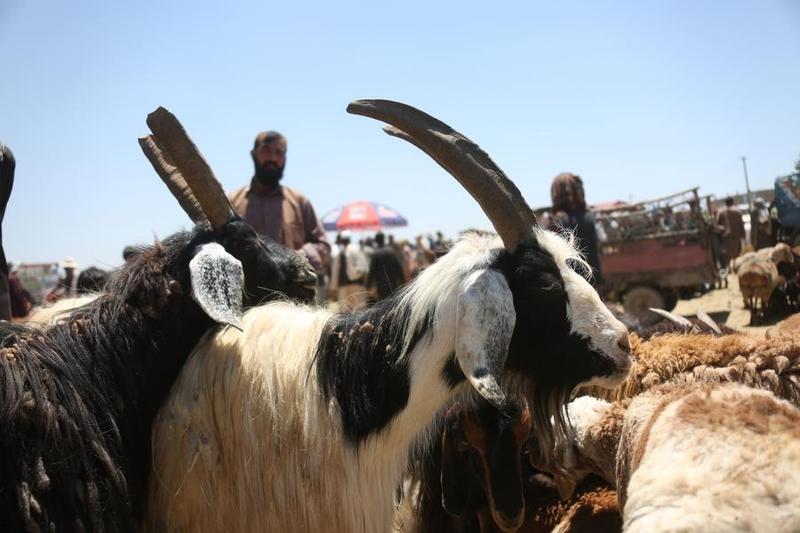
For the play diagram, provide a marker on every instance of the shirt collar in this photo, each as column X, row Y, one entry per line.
column 258, row 189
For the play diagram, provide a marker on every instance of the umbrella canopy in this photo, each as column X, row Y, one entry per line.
column 362, row 215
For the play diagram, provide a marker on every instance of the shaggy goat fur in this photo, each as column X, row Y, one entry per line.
column 592, row 509
column 78, row 398
column 478, row 472
column 305, row 420
column 474, row 473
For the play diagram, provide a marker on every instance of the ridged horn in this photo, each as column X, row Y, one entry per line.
column 172, row 177
column 497, row 195
column 173, row 139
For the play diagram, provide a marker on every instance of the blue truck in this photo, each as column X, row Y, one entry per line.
column 787, row 204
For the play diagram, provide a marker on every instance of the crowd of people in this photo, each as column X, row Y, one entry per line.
column 370, row 270
column 729, row 229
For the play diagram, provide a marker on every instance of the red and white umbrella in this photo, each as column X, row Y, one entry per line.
column 362, row 215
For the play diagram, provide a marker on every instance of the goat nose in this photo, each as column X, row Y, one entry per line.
column 624, row 343
column 308, row 277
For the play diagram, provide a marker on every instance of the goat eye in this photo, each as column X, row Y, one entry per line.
column 578, row 267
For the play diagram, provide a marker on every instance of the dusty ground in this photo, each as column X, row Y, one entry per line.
column 724, row 305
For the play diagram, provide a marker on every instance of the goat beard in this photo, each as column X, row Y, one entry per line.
column 269, row 174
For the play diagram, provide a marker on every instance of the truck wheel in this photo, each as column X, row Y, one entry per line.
column 670, row 299
column 638, row 301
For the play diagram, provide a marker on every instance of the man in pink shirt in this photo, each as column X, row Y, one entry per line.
column 283, row 214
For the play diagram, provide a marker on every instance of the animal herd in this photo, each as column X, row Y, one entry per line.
column 201, row 390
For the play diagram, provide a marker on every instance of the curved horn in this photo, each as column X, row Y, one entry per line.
column 172, row 138
column 708, row 321
column 672, row 317
column 169, row 174
column 463, row 159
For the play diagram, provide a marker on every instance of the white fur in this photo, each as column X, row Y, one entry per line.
column 716, row 478
column 588, row 315
column 47, row 316
column 246, row 442
column 696, row 458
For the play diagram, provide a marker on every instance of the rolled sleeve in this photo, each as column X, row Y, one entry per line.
column 316, row 247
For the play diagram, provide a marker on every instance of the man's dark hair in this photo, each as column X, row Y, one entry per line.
column 566, row 193
column 268, row 137
column 729, row 201
column 380, row 239
column 92, row 279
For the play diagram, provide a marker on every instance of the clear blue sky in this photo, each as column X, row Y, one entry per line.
column 641, row 98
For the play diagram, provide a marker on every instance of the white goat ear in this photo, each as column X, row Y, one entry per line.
column 484, row 324
column 218, row 284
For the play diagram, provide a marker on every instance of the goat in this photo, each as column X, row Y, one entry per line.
column 305, row 420
column 475, row 479
column 692, row 457
column 472, row 477
column 78, row 398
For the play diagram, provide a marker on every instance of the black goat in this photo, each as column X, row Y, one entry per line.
column 78, row 399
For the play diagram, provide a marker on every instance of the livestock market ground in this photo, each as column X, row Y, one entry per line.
column 725, row 306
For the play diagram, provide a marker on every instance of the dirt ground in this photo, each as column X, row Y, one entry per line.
column 723, row 305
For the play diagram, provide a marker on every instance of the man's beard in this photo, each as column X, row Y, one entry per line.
column 269, row 174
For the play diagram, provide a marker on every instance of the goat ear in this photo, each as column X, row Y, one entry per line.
column 565, row 486
column 218, row 284
column 484, row 324
column 455, row 484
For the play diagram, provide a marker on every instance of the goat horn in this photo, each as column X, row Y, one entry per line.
column 708, row 321
column 173, row 139
column 672, row 317
column 170, row 175
column 463, row 159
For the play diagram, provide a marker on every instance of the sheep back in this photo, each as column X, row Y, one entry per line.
column 713, row 458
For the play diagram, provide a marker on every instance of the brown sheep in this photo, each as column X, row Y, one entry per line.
column 759, row 275
column 691, row 457
column 757, row 279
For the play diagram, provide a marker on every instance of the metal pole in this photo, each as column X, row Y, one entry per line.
column 747, row 184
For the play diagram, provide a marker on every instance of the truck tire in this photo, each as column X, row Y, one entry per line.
column 670, row 299
column 637, row 302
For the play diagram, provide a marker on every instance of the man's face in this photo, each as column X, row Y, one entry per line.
column 271, row 154
column 270, row 158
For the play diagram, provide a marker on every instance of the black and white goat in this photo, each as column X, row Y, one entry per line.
column 305, row 420
column 78, row 398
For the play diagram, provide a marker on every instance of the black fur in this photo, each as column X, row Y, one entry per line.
column 451, row 373
column 454, row 480
column 90, row 280
column 552, row 360
column 371, row 383
column 79, row 399
column 359, row 364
